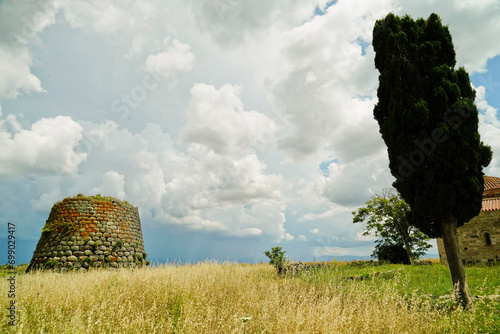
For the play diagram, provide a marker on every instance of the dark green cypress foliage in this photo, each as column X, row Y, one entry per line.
column 429, row 122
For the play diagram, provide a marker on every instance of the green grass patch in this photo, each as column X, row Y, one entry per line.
column 423, row 280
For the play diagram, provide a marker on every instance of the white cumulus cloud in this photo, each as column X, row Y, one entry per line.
column 326, row 83
column 21, row 23
column 489, row 128
column 113, row 184
column 48, row 147
column 177, row 57
column 216, row 118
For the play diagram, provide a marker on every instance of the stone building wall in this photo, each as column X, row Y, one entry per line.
column 479, row 239
column 90, row 232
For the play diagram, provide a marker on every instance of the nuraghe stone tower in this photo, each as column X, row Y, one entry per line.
column 90, row 232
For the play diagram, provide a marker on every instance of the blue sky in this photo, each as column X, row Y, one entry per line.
column 234, row 126
column 490, row 79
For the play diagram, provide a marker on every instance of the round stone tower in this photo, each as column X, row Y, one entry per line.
column 85, row 232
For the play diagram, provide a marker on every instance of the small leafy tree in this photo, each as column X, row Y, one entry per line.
column 277, row 258
column 389, row 217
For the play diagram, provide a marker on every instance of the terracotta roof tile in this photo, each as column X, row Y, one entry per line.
column 491, row 182
column 491, row 204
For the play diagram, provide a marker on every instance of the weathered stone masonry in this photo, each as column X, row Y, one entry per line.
column 479, row 239
column 90, row 232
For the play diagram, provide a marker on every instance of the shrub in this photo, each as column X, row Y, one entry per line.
column 50, row 264
column 391, row 253
column 277, row 258
column 118, row 245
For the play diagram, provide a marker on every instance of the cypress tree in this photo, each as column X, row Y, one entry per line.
column 429, row 122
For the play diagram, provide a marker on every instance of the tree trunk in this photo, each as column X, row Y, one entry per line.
column 409, row 259
column 407, row 247
column 448, row 227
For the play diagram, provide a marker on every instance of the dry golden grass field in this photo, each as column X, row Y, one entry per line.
column 213, row 297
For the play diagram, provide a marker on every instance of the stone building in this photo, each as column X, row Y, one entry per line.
column 479, row 239
column 85, row 232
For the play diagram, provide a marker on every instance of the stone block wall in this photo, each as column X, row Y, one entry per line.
column 90, row 232
column 479, row 239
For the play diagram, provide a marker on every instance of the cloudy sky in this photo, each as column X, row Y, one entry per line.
column 233, row 125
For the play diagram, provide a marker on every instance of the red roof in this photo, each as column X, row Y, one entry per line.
column 491, row 204
column 491, row 195
column 491, row 182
